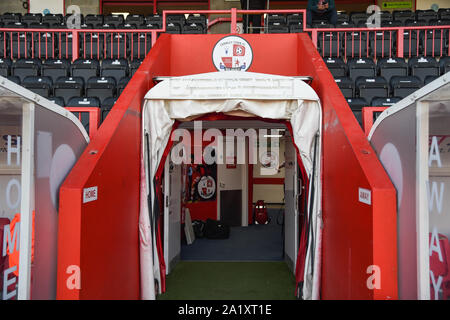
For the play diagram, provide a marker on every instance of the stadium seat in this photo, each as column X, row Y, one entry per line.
column 93, row 19
column 101, row 87
column 134, row 66
column 68, row 87
column 296, row 27
column 426, row 15
column 361, row 67
column 176, row 19
column 342, row 17
column 135, row 19
column 358, row 17
column 444, row 64
column 10, row 17
column 384, row 101
column 26, row 67
column 277, row 28
column 52, row 19
column 411, row 45
column 122, row 84
column 404, row 86
column 14, row 79
column 39, row 85
column 389, row 67
column 403, row 15
column 434, row 43
column 173, row 28
column 106, row 107
column 423, row 66
column 329, row 44
column 55, row 68
column 198, row 19
column 92, row 45
column 29, row 18
column 57, row 100
column 117, row 45
column 141, row 45
column 355, row 44
column 347, row 87
column 85, row 69
column 192, row 28
column 20, row 42
column 356, row 104
column 444, row 13
column 116, row 20
column 337, row 67
column 65, row 45
column 382, row 43
column 155, row 20
column 5, row 67
column 117, row 68
column 370, row 87
column 429, row 79
column 294, row 19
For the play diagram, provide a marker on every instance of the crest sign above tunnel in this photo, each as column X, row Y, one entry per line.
column 232, row 53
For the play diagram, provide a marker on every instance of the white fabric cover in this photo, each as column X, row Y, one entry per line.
column 262, row 95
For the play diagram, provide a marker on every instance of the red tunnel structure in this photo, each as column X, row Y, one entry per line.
column 102, row 236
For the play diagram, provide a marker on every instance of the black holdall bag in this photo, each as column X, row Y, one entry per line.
column 199, row 228
column 216, row 230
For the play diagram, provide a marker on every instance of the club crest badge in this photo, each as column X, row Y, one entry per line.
column 232, row 53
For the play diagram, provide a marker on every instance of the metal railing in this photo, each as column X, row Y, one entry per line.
column 135, row 43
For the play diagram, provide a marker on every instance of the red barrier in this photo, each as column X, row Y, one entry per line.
column 101, row 236
column 367, row 117
column 94, row 117
column 356, row 236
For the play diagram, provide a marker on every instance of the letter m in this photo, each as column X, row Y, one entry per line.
column 11, row 242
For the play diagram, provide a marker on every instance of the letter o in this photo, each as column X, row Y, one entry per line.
column 11, row 183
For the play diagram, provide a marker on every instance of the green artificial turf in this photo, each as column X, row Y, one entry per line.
column 201, row 280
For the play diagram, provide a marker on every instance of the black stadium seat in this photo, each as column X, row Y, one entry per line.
column 39, row 85
column 58, row 100
column 11, row 17
column 5, row 67
column 277, row 28
column 370, row 87
column 68, row 87
column 192, row 28
column 134, row 66
column 404, row 86
column 361, row 67
column 14, row 79
column 423, row 66
column 384, row 102
column 403, row 15
column 117, row 68
column 444, row 64
column 389, row 67
column 122, row 84
column 106, row 107
column 117, row 45
column 29, row 18
column 140, row 45
column 85, row 68
column 337, row 67
column 135, row 19
column 26, row 67
column 429, row 79
column 173, row 28
column 94, row 19
column 55, row 68
column 355, row 44
column 347, row 86
column 356, row 104
column 198, row 19
column 101, row 87
column 114, row 19
column 92, row 45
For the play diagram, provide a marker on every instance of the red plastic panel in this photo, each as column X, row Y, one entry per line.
column 356, row 235
column 100, row 237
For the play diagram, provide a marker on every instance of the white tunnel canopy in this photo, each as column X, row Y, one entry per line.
column 235, row 93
